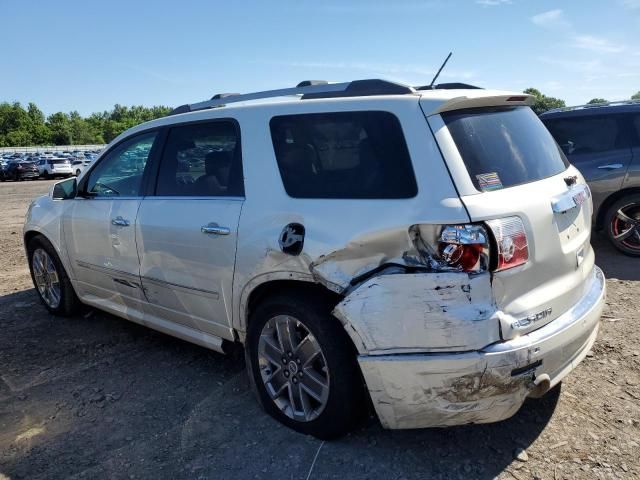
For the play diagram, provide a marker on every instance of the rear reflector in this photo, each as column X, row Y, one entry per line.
column 511, row 240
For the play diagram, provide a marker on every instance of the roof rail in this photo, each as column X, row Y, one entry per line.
column 308, row 89
column 593, row 105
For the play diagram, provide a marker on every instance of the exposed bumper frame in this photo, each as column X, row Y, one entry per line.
column 442, row 389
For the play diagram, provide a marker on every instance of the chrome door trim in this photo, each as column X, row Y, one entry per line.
column 170, row 197
column 212, row 293
column 113, row 273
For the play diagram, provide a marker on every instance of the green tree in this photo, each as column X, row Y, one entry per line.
column 40, row 132
column 25, row 127
column 594, row 101
column 60, row 126
column 542, row 103
column 636, row 96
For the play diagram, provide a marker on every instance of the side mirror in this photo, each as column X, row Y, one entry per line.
column 64, row 190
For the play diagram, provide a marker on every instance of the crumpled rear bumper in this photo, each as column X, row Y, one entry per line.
column 442, row 389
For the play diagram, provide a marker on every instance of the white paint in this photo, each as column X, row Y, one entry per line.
column 422, row 312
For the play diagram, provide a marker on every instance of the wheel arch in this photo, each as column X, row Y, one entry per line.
column 289, row 283
column 610, row 200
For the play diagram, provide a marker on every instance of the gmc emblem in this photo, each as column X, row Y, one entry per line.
column 531, row 319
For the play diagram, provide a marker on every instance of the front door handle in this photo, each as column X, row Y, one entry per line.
column 611, row 166
column 215, row 229
column 120, row 222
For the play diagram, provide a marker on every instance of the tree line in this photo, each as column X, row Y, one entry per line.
column 23, row 127
column 542, row 103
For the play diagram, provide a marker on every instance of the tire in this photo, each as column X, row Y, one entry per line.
column 68, row 302
column 343, row 403
column 46, row 175
column 624, row 235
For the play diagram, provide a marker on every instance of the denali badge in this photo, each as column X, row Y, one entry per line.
column 526, row 321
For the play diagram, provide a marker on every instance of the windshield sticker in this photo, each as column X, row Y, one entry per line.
column 489, row 181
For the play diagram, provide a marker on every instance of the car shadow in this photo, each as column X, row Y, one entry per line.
column 99, row 397
column 613, row 263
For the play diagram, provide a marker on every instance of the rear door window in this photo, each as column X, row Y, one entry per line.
column 504, row 146
column 587, row 134
column 202, row 160
column 348, row 155
column 635, row 123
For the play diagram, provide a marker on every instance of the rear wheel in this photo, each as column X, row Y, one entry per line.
column 50, row 278
column 623, row 225
column 303, row 366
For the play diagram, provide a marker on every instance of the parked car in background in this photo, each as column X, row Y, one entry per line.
column 20, row 170
column 55, row 167
column 78, row 166
column 603, row 142
column 426, row 248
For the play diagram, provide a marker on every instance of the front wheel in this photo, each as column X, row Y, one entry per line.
column 50, row 278
column 304, row 367
column 623, row 225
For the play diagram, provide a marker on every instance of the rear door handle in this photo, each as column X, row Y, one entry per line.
column 215, row 229
column 611, row 166
column 120, row 222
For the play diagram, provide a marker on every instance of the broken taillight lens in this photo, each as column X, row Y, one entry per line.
column 511, row 241
column 464, row 247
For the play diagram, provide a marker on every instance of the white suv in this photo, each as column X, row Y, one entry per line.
column 54, row 167
column 428, row 248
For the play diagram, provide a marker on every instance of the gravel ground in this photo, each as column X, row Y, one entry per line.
column 98, row 397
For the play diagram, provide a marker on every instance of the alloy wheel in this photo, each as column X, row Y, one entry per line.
column 293, row 368
column 46, row 278
column 625, row 226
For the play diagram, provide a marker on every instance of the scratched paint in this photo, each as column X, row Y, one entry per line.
column 400, row 313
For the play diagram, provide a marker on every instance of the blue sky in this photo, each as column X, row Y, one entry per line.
column 87, row 56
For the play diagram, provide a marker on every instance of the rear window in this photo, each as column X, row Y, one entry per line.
column 348, row 155
column 503, row 147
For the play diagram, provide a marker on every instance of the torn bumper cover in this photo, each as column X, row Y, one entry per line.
column 489, row 385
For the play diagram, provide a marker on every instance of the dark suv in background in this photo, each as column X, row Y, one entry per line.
column 603, row 142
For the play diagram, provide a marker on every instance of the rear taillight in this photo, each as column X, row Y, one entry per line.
column 465, row 247
column 511, row 242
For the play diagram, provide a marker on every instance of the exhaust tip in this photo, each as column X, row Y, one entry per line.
column 541, row 385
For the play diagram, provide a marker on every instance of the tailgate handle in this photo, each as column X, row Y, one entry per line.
column 572, row 198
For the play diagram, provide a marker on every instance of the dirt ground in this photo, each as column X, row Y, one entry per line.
column 99, row 397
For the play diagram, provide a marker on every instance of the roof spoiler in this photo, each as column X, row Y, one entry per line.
column 500, row 100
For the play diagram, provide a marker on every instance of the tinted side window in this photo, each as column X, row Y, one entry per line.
column 201, row 159
column 586, row 134
column 347, row 155
column 120, row 172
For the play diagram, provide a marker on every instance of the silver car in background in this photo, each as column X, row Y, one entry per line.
column 426, row 247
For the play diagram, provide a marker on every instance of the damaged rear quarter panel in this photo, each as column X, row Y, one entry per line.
column 451, row 311
column 344, row 238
